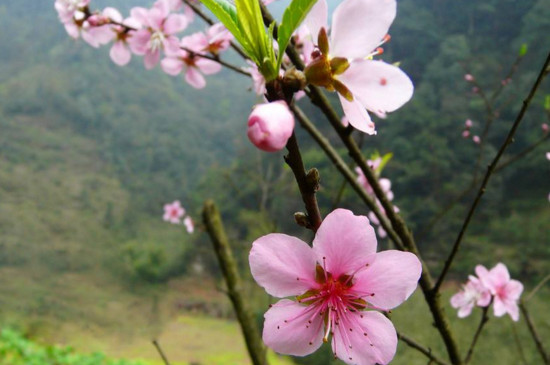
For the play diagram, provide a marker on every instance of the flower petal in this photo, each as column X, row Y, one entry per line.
column 195, row 78
column 317, row 19
column 357, row 115
column 344, row 242
column 283, row 265
column 208, row 67
column 120, row 54
column 175, row 23
column 151, row 59
column 365, row 338
column 287, row 328
column 379, row 86
column 390, row 279
column 358, row 26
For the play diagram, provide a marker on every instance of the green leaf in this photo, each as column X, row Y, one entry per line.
column 547, row 103
column 227, row 14
column 292, row 18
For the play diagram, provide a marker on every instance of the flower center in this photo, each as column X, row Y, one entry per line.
column 156, row 41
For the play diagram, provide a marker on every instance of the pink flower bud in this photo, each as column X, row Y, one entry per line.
column 468, row 123
column 270, row 126
column 476, row 139
column 469, row 77
column 545, row 128
column 465, row 134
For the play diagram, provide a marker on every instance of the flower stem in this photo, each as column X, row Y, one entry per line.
column 534, row 333
column 484, row 319
column 426, row 351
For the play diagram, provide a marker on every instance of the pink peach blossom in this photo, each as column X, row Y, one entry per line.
column 270, row 126
column 465, row 133
column 339, row 284
column 468, row 123
column 173, row 212
column 545, row 128
column 469, row 77
column 258, row 80
column 344, row 63
column 472, row 293
column 476, row 139
column 66, row 9
column 505, row 291
column 190, row 60
column 189, row 225
column 158, row 32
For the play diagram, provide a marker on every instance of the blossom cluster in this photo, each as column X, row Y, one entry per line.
column 490, row 286
column 151, row 33
column 174, row 213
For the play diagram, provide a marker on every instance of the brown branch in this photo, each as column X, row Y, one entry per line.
column 522, row 154
column 214, row 226
column 534, row 333
column 426, row 351
column 161, row 353
column 490, row 170
column 484, row 319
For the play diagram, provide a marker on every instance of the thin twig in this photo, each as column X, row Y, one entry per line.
column 518, row 343
column 161, row 353
column 537, row 288
column 490, row 170
column 533, row 331
column 484, row 319
column 415, row 345
column 523, row 153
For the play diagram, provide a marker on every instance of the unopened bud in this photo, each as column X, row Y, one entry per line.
column 270, row 126
column 468, row 123
column 469, row 77
column 476, row 139
column 545, row 128
column 294, row 80
column 301, row 219
column 313, row 178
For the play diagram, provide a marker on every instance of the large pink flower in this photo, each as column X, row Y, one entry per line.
column 344, row 62
column 472, row 293
column 337, row 283
column 505, row 291
column 158, row 33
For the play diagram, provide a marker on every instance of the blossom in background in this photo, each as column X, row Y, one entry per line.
column 344, row 62
column 217, row 39
column 339, row 285
column 472, row 293
column 120, row 51
column 191, row 62
column 158, row 32
column 505, row 291
column 476, row 139
column 545, row 128
column 189, row 224
column 173, row 212
column 258, row 80
column 469, row 77
column 66, row 9
column 270, row 126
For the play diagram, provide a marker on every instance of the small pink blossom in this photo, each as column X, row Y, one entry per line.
column 190, row 60
column 339, row 285
column 545, row 128
column 173, row 212
column 344, row 62
column 270, row 126
column 258, row 80
column 505, row 291
column 66, row 9
column 469, row 77
column 475, row 89
column 472, row 293
column 548, row 155
column 158, row 32
column 476, row 139
column 218, row 39
column 465, row 133
column 189, row 225
column 468, row 123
